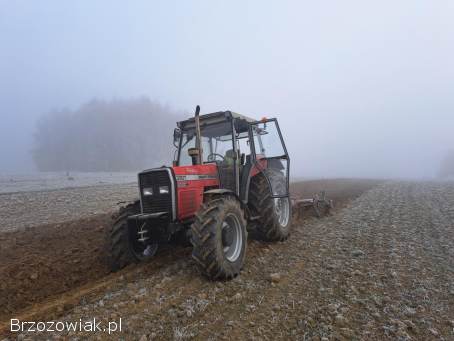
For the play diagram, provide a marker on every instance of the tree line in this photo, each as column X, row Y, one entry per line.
column 116, row 135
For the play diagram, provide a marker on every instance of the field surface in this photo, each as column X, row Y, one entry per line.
column 45, row 181
column 381, row 266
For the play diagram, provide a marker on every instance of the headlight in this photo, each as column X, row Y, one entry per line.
column 147, row 191
column 163, row 189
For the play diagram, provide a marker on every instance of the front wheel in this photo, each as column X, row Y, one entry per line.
column 123, row 244
column 219, row 238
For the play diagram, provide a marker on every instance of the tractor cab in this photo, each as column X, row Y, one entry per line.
column 239, row 146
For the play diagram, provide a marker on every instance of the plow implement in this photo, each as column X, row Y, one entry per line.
column 318, row 206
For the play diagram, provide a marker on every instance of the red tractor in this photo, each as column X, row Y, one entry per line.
column 230, row 175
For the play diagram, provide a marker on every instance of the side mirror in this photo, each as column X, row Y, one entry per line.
column 176, row 137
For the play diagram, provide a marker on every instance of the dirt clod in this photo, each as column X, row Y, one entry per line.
column 357, row 253
column 275, row 277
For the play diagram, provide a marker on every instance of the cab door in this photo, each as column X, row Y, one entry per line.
column 270, row 156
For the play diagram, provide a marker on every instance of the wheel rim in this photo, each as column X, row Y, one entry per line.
column 143, row 252
column 282, row 209
column 232, row 249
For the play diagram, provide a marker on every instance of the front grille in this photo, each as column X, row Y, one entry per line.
column 157, row 202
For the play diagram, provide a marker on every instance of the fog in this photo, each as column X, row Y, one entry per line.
column 361, row 89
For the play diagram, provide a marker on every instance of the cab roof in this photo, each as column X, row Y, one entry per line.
column 215, row 117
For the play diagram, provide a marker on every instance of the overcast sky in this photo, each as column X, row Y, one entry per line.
column 361, row 88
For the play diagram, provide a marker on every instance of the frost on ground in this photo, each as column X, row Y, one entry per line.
column 27, row 209
column 382, row 267
column 45, row 181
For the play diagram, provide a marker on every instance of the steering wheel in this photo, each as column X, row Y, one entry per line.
column 212, row 157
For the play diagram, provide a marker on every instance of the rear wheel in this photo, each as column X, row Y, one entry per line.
column 274, row 215
column 124, row 247
column 219, row 238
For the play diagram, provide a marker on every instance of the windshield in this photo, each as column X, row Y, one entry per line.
column 217, row 143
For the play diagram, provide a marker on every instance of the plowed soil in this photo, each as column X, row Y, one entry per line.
column 379, row 266
column 42, row 261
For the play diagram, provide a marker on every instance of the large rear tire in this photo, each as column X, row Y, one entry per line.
column 274, row 215
column 219, row 238
column 123, row 249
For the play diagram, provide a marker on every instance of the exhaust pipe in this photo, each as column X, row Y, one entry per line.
column 198, row 144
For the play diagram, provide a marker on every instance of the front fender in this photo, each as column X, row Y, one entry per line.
column 219, row 191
